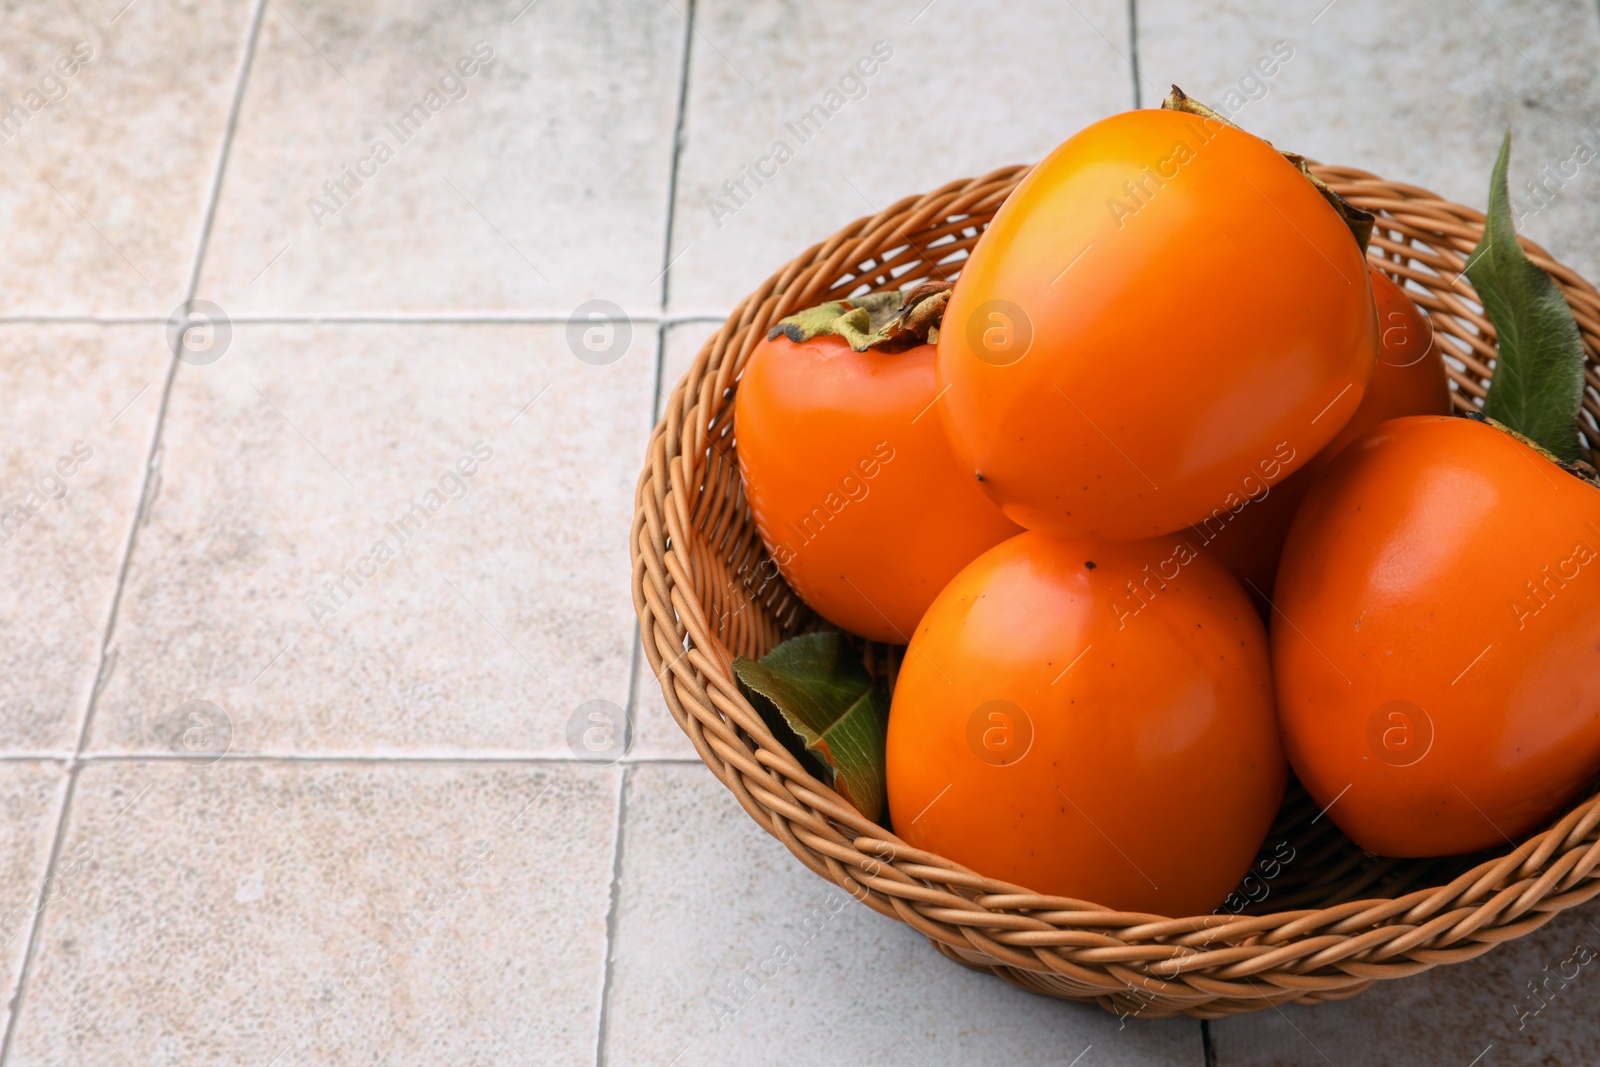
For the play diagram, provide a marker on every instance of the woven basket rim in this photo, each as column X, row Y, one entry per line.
column 1132, row 963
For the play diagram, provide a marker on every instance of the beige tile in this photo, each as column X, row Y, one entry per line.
column 706, row 897
column 1484, row 1008
column 1420, row 93
column 968, row 88
column 288, row 460
column 106, row 181
column 30, row 798
column 81, row 399
column 539, row 182
column 330, row 914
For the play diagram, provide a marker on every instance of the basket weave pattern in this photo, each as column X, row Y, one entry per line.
column 1327, row 923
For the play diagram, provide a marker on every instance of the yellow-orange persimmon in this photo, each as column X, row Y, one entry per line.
column 1164, row 308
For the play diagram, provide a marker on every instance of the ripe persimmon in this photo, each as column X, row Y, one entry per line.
column 1090, row 719
column 1437, row 645
column 1409, row 379
column 1164, row 310
column 852, row 484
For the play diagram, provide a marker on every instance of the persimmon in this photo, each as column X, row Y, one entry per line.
column 1089, row 719
column 1437, row 645
column 1162, row 312
column 853, row 487
column 1409, row 379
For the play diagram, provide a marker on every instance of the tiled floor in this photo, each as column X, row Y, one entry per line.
column 401, row 860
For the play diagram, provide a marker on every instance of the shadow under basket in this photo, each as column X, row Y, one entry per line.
column 1322, row 926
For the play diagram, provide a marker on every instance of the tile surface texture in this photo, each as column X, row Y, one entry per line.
column 326, row 914
column 80, row 408
column 532, row 184
column 381, row 539
column 30, row 797
column 111, row 118
column 736, row 954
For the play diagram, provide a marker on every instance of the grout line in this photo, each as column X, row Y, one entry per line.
column 663, row 761
column 661, row 373
column 49, row 319
column 445, row 318
column 376, row 318
column 102, row 676
column 20, row 974
column 1206, row 1046
column 152, row 461
column 663, row 320
column 152, row 457
column 341, row 758
column 214, row 192
column 613, row 906
column 1133, row 52
column 630, row 709
column 677, row 151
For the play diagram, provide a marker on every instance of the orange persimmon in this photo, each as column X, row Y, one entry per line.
column 852, row 484
column 1436, row 647
column 1090, row 719
column 1165, row 308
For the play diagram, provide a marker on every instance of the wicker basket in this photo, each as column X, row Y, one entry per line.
column 1327, row 925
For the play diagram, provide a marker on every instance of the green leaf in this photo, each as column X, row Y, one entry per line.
column 1538, row 377
column 817, row 683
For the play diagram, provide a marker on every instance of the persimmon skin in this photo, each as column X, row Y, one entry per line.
column 1152, row 770
column 1175, row 346
column 1409, row 379
column 1416, row 572
column 852, row 484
